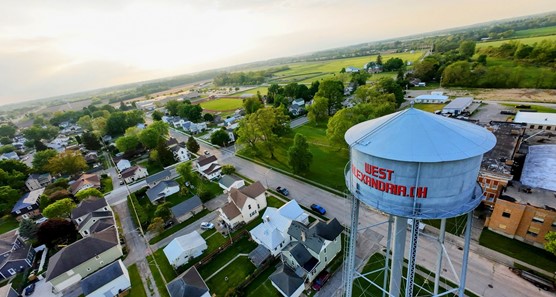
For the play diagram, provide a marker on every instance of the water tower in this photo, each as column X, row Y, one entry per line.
column 413, row 165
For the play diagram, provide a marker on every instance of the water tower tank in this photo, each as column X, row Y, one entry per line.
column 417, row 164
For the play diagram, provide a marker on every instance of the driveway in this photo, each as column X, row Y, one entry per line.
column 186, row 230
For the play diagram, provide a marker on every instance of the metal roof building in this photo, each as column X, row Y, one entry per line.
column 539, row 170
column 431, row 98
column 458, row 105
column 537, row 119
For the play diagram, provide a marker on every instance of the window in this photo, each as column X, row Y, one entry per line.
column 11, row 271
column 540, row 127
column 532, row 127
column 97, row 257
column 249, row 206
column 506, row 214
column 88, row 269
column 30, row 207
column 85, row 232
column 533, row 231
column 538, row 220
column 18, row 211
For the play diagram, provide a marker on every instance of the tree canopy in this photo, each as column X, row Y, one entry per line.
column 59, row 209
column 192, row 145
column 318, row 111
column 56, row 231
column 332, row 90
column 299, row 156
column 220, row 137
column 90, row 192
column 41, row 159
column 67, row 162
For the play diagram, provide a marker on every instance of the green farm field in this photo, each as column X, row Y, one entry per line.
column 528, row 40
column 262, row 90
column 222, row 104
column 536, row 32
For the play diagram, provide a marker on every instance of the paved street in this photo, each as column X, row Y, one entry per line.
column 482, row 273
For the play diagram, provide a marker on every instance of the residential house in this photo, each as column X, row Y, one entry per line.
column 179, row 150
column 145, row 104
column 208, row 167
column 162, row 190
column 351, row 69
column 186, row 125
column 287, row 282
column 15, row 254
column 134, row 173
column 227, row 182
column 107, row 139
column 28, row 205
column 312, row 247
column 110, row 281
column 243, row 204
column 92, row 215
column 154, row 179
column 187, row 208
column 181, row 249
column 36, row 181
column 85, row 181
column 123, row 164
column 188, row 284
column 9, row 156
column 82, row 258
column 91, row 157
column 272, row 233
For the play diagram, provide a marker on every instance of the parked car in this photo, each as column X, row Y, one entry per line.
column 121, row 182
column 282, row 191
column 318, row 208
column 29, row 289
column 168, row 224
column 206, row 152
column 41, row 220
column 207, row 225
column 321, row 279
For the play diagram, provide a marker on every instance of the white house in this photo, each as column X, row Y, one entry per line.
column 123, row 164
column 162, row 190
column 134, row 173
column 9, row 156
column 351, row 69
column 208, row 167
column 180, row 152
column 181, row 249
column 92, row 215
column 243, row 204
column 108, row 281
column 36, row 181
column 227, row 182
column 272, row 233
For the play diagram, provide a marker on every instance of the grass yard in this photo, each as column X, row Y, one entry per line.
column 262, row 90
column 328, row 162
column 8, row 223
column 214, row 240
column 106, row 184
column 152, row 168
column 518, row 250
column 165, row 266
column 231, row 276
column 262, row 286
column 178, row 227
column 242, row 246
column 160, row 285
column 526, row 40
column 536, row 32
column 272, row 201
column 222, row 104
column 538, row 108
column 137, row 288
column 430, row 107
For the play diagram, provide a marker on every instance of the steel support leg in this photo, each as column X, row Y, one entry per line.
column 387, row 256
column 440, row 254
column 412, row 258
column 400, row 231
column 350, row 263
column 465, row 260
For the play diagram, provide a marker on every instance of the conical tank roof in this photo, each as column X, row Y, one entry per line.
column 413, row 135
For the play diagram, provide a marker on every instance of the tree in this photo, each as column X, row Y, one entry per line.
column 156, row 226
column 5, row 140
column 172, row 107
column 228, row 169
column 191, row 112
column 332, row 90
column 192, row 145
column 39, row 146
column 458, row 74
column 86, row 123
column 387, row 85
column 127, row 143
column 160, row 127
column 58, row 195
column 67, row 162
column 379, row 59
column 208, row 117
column 165, row 156
column 251, row 104
column 482, row 59
column 203, row 192
column 426, row 70
column 149, row 138
column 248, row 132
column 134, row 117
column 56, row 231
column 299, row 156
column 90, row 141
column 185, row 169
column 393, row 64
column 163, row 211
column 90, row 192
column 8, row 197
column 314, row 88
column 59, row 209
column 7, row 131
column 41, row 159
column 38, row 132
column 318, row 111
column 550, row 244
column 157, row 115
column 99, row 126
column 467, row 48
column 116, row 124
column 220, row 137
column 142, row 215
column 28, row 229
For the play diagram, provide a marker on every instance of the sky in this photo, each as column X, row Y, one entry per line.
column 50, row 48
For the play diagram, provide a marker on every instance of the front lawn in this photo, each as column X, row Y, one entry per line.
column 231, row 277
column 160, row 285
column 262, row 286
column 137, row 288
column 152, row 167
column 178, row 227
column 106, row 184
column 273, row 202
column 242, row 246
column 519, row 250
column 8, row 223
column 328, row 163
column 165, row 266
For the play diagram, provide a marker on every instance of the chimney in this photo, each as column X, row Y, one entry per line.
column 303, row 236
column 267, row 218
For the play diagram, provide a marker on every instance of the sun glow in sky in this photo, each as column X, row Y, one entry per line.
column 50, row 48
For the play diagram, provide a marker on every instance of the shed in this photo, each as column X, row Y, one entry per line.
column 458, row 105
column 187, row 208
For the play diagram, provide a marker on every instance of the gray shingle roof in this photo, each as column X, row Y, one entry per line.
column 87, row 206
column 285, row 279
column 186, row 206
column 101, row 224
column 302, row 255
column 330, row 230
column 81, row 251
column 154, row 192
column 228, row 180
column 102, row 277
column 316, row 233
column 259, row 255
column 158, row 176
column 189, row 284
column 204, row 160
